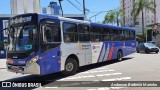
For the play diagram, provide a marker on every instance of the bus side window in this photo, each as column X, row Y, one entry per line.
column 132, row 36
column 114, row 35
column 51, row 34
column 83, row 33
column 95, row 34
column 106, row 34
column 122, row 35
column 127, row 37
column 47, row 36
column 70, row 32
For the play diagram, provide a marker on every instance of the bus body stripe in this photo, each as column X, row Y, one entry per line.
column 106, row 53
column 110, row 52
column 100, row 53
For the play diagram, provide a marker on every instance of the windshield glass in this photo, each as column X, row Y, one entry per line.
column 21, row 38
column 150, row 45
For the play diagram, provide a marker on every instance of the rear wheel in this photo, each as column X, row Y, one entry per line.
column 70, row 67
column 119, row 55
column 157, row 52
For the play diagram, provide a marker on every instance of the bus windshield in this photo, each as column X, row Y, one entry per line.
column 21, row 38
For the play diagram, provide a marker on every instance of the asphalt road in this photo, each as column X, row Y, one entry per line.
column 135, row 67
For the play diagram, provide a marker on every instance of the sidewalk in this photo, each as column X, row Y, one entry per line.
column 2, row 63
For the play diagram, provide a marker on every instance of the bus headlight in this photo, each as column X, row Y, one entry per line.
column 33, row 60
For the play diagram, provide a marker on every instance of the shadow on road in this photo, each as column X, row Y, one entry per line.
column 51, row 78
column 148, row 53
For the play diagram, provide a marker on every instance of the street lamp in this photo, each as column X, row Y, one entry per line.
column 61, row 6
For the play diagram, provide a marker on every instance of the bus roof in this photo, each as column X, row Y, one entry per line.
column 75, row 20
column 110, row 26
column 64, row 19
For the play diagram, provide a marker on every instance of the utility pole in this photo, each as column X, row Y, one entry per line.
column 61, row 6
column 84, row 9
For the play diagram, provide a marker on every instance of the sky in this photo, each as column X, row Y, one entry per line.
column 94, row 6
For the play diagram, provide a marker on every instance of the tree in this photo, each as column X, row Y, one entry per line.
column 119, row 13
column 138, row 8
column 122, row 17
column 113, row 16
column 109, row 17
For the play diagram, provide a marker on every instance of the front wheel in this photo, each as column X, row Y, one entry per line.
column 70, row 67
column 119, row 55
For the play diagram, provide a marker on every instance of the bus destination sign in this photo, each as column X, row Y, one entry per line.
column 18, row 20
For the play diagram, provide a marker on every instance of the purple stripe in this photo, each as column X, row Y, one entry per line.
column 100, row 52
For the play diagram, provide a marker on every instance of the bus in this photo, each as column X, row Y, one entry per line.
column 42, row 44
column 3, row 44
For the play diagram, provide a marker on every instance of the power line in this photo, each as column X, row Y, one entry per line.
column 86, row 8
column 74, row 5
column 82, row 5
column 78, row 2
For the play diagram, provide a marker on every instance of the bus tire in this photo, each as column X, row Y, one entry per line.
column 119, row 55
column 71, row 67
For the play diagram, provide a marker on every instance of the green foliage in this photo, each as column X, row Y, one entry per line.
column 139, row 6
column 113, row 16
column 140, row 38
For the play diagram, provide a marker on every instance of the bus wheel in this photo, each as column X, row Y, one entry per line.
column 70, row 67
column 119, row 55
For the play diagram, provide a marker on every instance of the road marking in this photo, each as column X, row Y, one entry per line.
column 89, row 76
column 80, row 77
column 117, row 79
column 102, row 71
column 96, row 71
column 111, row 74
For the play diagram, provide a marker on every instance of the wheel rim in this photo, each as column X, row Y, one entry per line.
column 69, row 67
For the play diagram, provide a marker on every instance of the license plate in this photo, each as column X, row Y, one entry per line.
column 15, row 68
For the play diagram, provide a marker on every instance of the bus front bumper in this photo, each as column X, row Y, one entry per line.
column 28, row 69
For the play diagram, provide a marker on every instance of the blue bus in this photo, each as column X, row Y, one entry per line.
column 44, row 44
column 1, row 47
column 3, row 34
column 3, row 44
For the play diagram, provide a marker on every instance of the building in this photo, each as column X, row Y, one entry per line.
column 53, row 8
column 149, row 17
column 25, row 6
column 46, row 10
column 75, row 16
